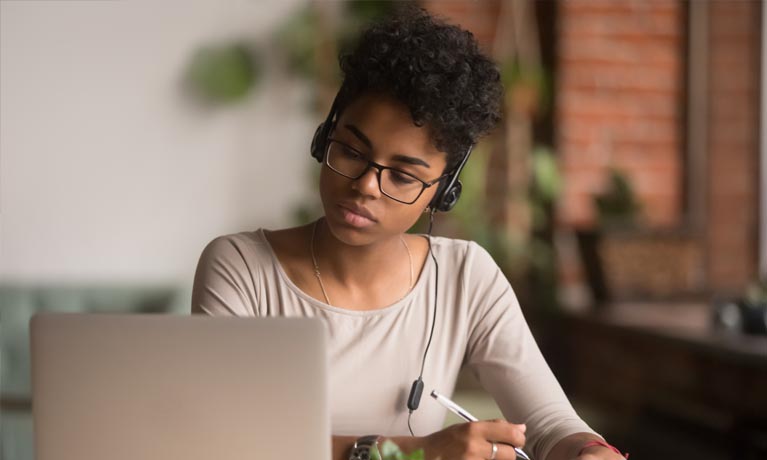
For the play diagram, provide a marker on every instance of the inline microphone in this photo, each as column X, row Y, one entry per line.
column 415, row 394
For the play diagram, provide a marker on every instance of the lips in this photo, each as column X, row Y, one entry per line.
column 358, row 210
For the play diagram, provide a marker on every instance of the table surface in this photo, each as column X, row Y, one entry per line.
column 689, row 323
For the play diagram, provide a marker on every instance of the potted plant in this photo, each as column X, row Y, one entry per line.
column 617, row 210
column 390, row 451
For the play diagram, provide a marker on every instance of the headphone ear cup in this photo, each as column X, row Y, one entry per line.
column 438, row 195
column 451, row 197
column 318, row 143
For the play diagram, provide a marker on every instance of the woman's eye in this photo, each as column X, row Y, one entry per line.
column 351, row 154
column 401, row 178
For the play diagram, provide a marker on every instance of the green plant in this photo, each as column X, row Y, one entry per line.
column 391, row 451
column 528, row 87
column 223, row 73
column 617, row 206
column 756, row 293
column 298, row 39
column 302, row 36
column 473, row 219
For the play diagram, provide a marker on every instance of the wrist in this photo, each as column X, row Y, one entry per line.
column 596, row 447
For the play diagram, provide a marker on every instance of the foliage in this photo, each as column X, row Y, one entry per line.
column 390, row 451
column 359, row 14
column 471, row 212
column 302, row 35
column 223, row 73
column 514, row 252
column 756, row 293
column 298, row 39
column 546, row 185
column 529, row 87
column 617, row 206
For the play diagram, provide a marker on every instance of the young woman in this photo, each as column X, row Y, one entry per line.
column 417, row 94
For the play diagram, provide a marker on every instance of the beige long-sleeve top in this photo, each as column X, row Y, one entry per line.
column 375, row 355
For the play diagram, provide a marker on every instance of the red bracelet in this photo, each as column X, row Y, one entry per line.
column 603, row 444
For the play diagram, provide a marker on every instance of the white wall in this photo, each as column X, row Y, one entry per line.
column 107, row 171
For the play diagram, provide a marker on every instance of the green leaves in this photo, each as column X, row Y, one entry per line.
column 224, row 73
column 617, row 206
column 390, row 451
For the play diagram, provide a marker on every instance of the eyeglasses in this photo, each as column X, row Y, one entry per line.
column 394, row 183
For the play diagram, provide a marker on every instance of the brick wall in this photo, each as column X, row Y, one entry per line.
column 478, row 17
column 733, row 143
column 621, row 102
column 619, row 88
column 621, row 85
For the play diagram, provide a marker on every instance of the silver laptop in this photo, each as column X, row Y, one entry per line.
column 152, row 387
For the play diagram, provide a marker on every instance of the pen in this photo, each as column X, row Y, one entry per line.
column 464, row 414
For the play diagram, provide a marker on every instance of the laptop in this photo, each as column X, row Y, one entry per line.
column 157, row 387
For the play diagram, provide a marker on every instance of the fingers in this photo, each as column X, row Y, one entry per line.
column 474, row 441
column 504, row 432
column 503, row 452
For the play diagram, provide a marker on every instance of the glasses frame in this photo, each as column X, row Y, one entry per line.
column 380, row 168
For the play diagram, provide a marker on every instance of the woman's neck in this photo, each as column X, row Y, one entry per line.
column 358, row 266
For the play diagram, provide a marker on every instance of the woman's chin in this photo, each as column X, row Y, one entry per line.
column 350, row 234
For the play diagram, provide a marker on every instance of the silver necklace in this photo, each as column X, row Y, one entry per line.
column 317, row 267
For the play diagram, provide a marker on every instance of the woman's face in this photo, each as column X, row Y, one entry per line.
column 382, row 130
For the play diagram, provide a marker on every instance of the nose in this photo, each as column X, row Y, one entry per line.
column 367, row 184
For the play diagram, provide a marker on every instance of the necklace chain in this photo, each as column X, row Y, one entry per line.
column 317, row 267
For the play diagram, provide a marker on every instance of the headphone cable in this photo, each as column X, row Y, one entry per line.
column 415, row 392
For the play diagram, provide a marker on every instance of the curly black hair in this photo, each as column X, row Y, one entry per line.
column 436, row 69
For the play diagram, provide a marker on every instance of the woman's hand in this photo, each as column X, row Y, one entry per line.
column 474, row 441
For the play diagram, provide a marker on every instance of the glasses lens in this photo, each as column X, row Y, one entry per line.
column 345, row 160
column 400, row 185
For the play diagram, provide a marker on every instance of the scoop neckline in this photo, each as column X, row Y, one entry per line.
column 425, row 272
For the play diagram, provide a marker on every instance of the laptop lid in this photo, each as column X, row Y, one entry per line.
column 154, row 387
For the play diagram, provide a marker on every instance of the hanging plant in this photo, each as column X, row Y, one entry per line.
column 223, row 74
column 528, row 89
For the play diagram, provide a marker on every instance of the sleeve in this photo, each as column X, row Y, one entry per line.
column 223, row 282
column 505, row 358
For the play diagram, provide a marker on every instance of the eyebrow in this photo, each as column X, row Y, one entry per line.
column 397, row 157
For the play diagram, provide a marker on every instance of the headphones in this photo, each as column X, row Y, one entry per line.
column 448, row 191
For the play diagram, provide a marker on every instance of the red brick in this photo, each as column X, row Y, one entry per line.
column 659, row 182
column 731, row 133
column 616, row 129
column 609, row 25
column 576, row 210
column 591, row 51
column 577, row 101
column 480, row 18
column 733, row 18
column 725, row 105
column 739, row 81
column 617, row 77
column 618, row 6
column 660, row 212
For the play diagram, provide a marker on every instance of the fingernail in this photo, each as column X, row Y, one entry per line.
column 523, row 427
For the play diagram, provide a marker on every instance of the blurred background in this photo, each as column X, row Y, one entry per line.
column 623, row 194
